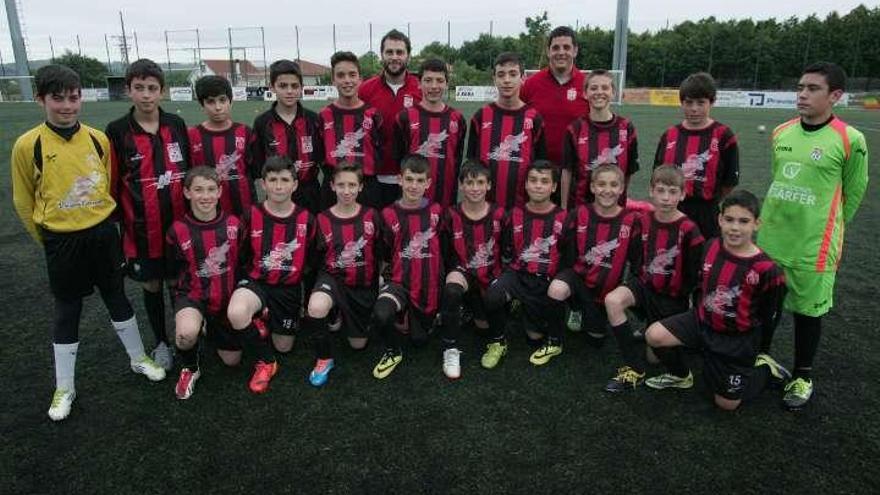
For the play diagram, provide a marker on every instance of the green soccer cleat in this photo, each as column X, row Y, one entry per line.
column 386, row 365
column 494, row 352
column 544, row 354
column 668, row 380
column 797, row 393
column 147, row 367
column 626, row 379
column 779, row 376
column 62, row 400
column 574, row 321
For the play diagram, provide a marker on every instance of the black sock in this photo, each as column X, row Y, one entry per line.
column 556, row 323
column 384, row 316
column 673, row 359
column 807, row 330
column 261, row 347
column 155, row 306
column 189, row 358
column 757, row 382
column 451, row 313
column 629, row 349
column 318, row 329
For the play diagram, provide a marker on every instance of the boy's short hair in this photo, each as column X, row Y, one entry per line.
column 346, row 166
column 545, row 166
column 142, row 69
column 607, row 167
column 396, row 36
column 561, row 31
column 212, row 87
column 344, row 57
column 203, row 171
column 55, row 79
column 284, row 66
column 834, row 74
column 278, row 163
column 744, row 199
column 508, row 58
column 599, row 73
column 415, row 163
column 473, row 168
column 668, row 175
column 433, row 65
column 698, row 85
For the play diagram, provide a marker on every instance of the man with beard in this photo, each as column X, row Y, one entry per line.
column 390, row 92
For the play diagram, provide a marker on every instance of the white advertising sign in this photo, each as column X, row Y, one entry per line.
column 476, row 93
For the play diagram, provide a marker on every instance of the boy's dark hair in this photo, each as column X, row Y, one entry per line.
column 278, row 163
column 284, row 66
column 473, row 168
column 668, row 175
column 744, row 199
column 834, row 74
column 212, row 87
column 508, row 58
column 202, row 171
column 55, row 79
column 434, row 65
column 352, row 167
column 698, row 85
column 561, row 31
column 607, row 167
column 600, row 73
column 142, row 69
column 396, row 36
column 344, row 57
column 415, row 163
column 545, row 166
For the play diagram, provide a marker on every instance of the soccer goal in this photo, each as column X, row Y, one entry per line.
column 618, row 76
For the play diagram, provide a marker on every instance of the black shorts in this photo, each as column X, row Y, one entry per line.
column 355, row 304
column 280, row 305
column 308, row 195
column 217, row 327
column 371, row 195
column 728, row 359
column 474, row 297
column 79, row 261
column 704, row 214
column 530, row 290
column 418, row 323
column 583, row 299
column 146, row 269
column 651, row 306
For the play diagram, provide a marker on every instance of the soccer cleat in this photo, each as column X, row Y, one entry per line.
column 147, row 367
column 574, row 321
column 162, row 356
column 263, row 373
column 494, row 352
column 319, row 374
column 797, row 393
column 186, row 383
column 626, row 379
column 668, row 380
column 779, row 376
column 544, row 354
column 62, row 400
column 386, row 365
column 452, row 363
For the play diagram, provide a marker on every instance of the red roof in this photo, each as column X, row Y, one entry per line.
column 221, row 67
column 311, row 69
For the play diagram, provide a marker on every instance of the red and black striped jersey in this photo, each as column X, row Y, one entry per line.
column 278, row 248
column 507, row 141
column 148, row 178
column 739, row 294
column 351, row 134
column 475, row 245
column 350, row 247
column 300, row 140
column 205, row 256
column 670, row 255
column 604, row 246
column 538, row 243
column 439, row 137
column 589, row 144
column 228, row 152
column 413, row 249
column 708, row 157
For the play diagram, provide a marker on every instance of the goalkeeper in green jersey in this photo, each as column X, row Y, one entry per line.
column 820, row 173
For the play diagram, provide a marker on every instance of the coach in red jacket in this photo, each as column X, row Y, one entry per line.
column 390, row 92
column 557, row 92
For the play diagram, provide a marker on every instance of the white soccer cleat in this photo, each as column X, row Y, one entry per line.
column 62, row 400
column 163, row 357
column 452, row 363
column 147, row 367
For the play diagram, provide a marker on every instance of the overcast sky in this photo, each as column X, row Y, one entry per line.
column 427, row 22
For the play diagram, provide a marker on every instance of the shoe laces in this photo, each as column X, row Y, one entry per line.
column 322, row 365
column 627, row 375
column 388, row 357
column 800, row 386
column 451, row 356
column 57, row 397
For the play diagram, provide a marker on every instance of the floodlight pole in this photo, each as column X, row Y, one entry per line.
column 265, row 64
column 298, row 59
column 107, row 47
column 18, row 49
column 124, row 40
column 52, row 49
column 78, row 46
column 621, row 33
column 167, row 51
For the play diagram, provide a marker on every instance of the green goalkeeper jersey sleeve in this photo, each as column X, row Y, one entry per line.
column 818, row 181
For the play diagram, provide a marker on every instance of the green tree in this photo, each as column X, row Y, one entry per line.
column 92, row 72
column 370, row 64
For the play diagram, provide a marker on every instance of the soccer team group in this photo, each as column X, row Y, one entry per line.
column 381, row 221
